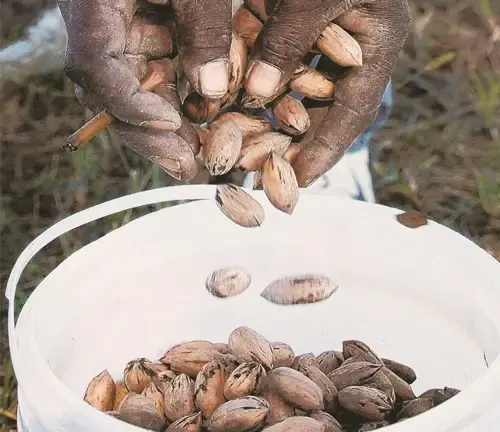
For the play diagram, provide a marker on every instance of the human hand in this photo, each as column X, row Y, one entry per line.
column 112, row 44
column 379, row 26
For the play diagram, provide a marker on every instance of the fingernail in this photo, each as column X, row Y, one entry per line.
column 214, row 78
column 263, row 79
column 171, row 166
column 160, row 125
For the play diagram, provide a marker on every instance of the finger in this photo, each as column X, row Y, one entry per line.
column 261, row 8
column 137, row 64
column 203, row 35
column 97, row 31
column 188, row 133
column 286, row 37
column 168, row 88
column 381, row 36
column 152, row 145
column 167, row 149
column 168, row 91
column 316, row 112
column 152, row 36
column 160, row 2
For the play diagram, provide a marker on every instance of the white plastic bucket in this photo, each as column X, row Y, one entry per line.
column 427, row 297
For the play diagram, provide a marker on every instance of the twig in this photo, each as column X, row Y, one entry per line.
column 8, row 414
column 102, row 120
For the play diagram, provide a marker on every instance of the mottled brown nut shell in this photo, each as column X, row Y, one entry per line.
column 250, row 346
column 368, row 427
column 328, row 361
column 199, row 109
column 138, row 374
column 179, row 398
column 256, row 148
column 415, row 407
column 223, row 348
column 141, row 411
column 279, row 410
column 299, row 289
column 360, row 351
column 209, row 388
column 238, row 415
column 402, row 389
column 291, row 115
column 296, row 389
column 354, row 374
column 307, row 359
column 153, row 392
column 369, row 403
column 297, row 424
column 406, row 373
column 222, row 147
column 324, row 383
column 228, row 281
column 238, row 59
column 439, row 396
column 331, row 424
column 247, row 26
column 163, row 379
column 245, row 380
column 380, row 382
column 248, row 125
column 191, row 363
column 312, row 84
column 283, row 354
column 190, row 423
column 101, row 391
column 184, row 348
column 239, row 206
column 280, row 183
column 340, row 46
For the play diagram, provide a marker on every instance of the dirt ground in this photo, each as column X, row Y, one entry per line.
column 440, row 152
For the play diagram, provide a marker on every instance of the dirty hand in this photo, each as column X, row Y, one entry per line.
column 113, row 43
column 379, row 26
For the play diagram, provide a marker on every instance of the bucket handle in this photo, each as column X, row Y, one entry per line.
column 139, row 199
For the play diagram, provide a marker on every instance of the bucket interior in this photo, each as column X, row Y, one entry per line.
column 414, row 296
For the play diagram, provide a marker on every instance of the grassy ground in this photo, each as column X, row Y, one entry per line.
column 440, row 153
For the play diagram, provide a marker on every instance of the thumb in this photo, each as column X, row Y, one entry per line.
column 203, row 40
column 287, row 36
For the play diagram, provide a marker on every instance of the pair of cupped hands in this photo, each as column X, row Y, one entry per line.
column 111, row 44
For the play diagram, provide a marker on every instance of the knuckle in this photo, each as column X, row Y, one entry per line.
column 82, row 68
column 199, row 27
column 215, row 38
column 286, row 45
column 76, row 66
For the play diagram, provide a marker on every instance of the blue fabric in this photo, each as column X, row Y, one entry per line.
column 363, row 141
